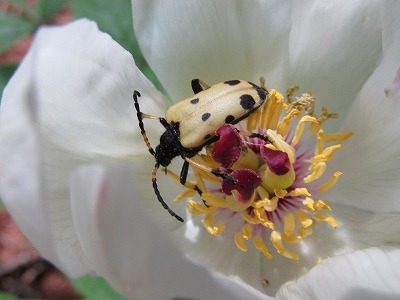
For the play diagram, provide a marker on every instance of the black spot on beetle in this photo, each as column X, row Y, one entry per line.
column 232, row 82
column 247, row 101
column 205, row 116
column 195, row 101
column 207, row 137
column 229, row 119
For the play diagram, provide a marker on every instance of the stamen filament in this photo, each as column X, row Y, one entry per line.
column 331, row 182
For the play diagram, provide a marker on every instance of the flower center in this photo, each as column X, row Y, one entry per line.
column 272, row 175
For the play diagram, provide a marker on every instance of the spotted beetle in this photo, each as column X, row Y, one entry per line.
column 191, row 124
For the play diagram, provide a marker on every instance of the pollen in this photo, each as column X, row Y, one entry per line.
column 278, row 158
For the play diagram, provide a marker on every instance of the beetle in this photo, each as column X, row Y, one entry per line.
column 191, row 124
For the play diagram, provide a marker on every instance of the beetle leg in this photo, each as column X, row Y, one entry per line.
column 215, row 172
column 199, row 85
column 140, row 117
column 184, row 172
column 158, row 194
column 255, row 135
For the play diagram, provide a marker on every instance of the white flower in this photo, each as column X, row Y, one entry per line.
column 75, row 172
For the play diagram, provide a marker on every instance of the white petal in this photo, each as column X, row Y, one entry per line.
column 130, row 249
column 334, row 48
column 20, row 161
column 213, row 41
column 368, row 274
column 82, row 83
column 370, row 160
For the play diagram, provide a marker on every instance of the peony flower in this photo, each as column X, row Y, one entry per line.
column 76, row 173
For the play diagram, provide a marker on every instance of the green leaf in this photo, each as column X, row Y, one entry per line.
column 47, row 9
column 96, row 288
column 12, row 28
column 5, row 74
column 5, row 296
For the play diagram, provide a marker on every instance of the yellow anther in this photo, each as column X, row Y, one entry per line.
column 260, row 245
column 337, row 137
column 326, row 154
column 288, row 229
column 193, row 209
column 284, row 125
column 249, row 219
column 184, row 194
column 288, row 224
column 280, row 193
column 272, row 110
column 325, row 218
column 300, row 128
column 267, row 204
column 239, row 241
column 276, row 240
column 331, row 182
column 300, row 191
column 292, row 238
column 247, row 231
column 309, row 203
column 303, row 219
column 188, row 184
column 316, row 172
column 321, row 204
column 304, row 232
column 200, row 207
column 217, row 229
column 278, row 143
column 213, row 200
column 320, row 139
column 262, row 218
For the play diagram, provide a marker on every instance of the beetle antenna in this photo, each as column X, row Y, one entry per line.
column 158, row 194
column 139, row 114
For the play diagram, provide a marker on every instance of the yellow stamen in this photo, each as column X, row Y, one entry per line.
column 239, row 241
column 316, row 172
column 249, row 219
column 262, row 218
column 320, row 139
column 331, row 182
column 200, row 207
column 321, row 204
column 337, row 137
column 185, row 194
column 260, row 245
column 188, row 184
column 304, row 232
column 247, row 231
column 326, row 154
column 300, row 128
column 308, row 203
column 279, row 144
column 272, row 110
column 300, row 191
column 276, row 240
column 217, row 229
column 303, row 219
column 288, row 224
column 284, row 125
column 193, row 209
column 214, row 200
column 329, row 219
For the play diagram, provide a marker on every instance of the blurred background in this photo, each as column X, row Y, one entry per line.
column 23, row 273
